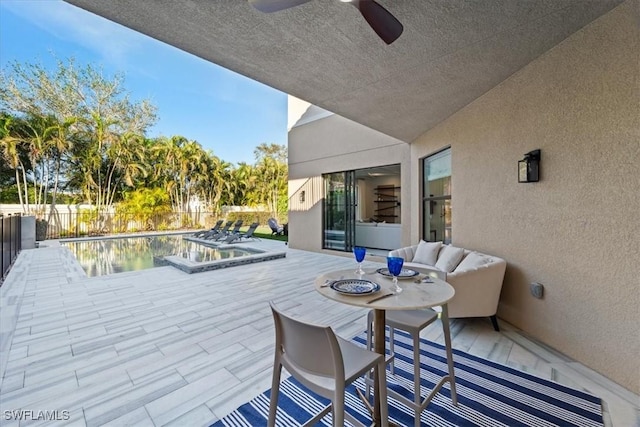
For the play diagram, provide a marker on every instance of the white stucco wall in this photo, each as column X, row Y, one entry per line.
column 332, row 144
column 295, row 109
column 577, row 230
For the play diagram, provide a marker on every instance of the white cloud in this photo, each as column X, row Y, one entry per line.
column 66, row 22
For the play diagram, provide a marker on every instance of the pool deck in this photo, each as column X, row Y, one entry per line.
column 162, row 347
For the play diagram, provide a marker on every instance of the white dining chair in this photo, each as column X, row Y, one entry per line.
column 411, row 321
column 324, row 363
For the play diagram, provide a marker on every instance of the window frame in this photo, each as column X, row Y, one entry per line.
column 424, row 214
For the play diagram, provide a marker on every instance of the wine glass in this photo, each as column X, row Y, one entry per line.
column 359, row 253
column 394, row 264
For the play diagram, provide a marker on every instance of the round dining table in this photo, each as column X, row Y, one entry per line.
column 416, row 294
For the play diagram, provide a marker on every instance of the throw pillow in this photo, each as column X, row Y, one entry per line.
column 427, row 252
column 473, row 260
column 449, row 258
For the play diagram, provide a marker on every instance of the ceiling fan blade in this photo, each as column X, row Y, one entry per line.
column 269, row 6
column 381, row 20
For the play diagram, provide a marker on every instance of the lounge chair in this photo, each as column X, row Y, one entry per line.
column 215, row 228
column 233, row 237
column 276, row 228
column 236, row 230
column 214, row 235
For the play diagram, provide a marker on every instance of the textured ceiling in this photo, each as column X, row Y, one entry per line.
column 451, row 51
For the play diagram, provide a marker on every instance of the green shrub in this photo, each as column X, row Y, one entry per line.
column 144, row 206
column 249, row 217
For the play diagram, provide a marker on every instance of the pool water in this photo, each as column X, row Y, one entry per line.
column 108, row 256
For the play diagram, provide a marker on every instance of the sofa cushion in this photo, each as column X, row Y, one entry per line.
column 473, row 260
column 449, row 258
column 427, row 252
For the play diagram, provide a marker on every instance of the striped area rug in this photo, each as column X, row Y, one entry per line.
column 489, row 394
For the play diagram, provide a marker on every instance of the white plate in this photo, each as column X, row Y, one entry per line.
column 355, row 287
column 404, row 274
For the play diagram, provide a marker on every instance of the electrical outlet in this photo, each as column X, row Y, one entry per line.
column 537, row 289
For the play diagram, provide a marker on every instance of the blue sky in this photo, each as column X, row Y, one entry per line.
column 222, row 110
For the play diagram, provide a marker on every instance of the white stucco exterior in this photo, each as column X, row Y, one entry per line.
column 576, row 231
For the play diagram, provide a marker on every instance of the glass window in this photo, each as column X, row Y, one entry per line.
column 436, row 207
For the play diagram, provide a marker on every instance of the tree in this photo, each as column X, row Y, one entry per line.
column 244, row 182
column 146, row 205
column 45, row 141
column 59, row 146
column 272, row 176
column 216, row 183
column 180, row 169
column 272, row 151
column 88, row 122
column 7, row 178
column 12, row 137
column 76, row 132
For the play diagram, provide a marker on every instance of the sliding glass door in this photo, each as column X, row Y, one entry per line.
column 339, row 211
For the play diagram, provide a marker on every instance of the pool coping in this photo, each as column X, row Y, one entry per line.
column 120, row 236
column 191, row 267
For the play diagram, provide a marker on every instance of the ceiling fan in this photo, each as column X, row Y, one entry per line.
column 380, row 19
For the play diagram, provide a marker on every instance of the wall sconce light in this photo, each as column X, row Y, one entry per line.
column 529, row 167
column 302, row 196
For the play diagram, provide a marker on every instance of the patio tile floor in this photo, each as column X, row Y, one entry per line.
column 161, row 347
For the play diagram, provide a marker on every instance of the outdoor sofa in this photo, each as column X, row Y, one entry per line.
column 476, row 277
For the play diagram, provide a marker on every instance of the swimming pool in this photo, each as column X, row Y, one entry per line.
column 99, row 257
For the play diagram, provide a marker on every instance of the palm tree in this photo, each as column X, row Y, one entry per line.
column 60, row 147
column 180, row 166
column 162, row 157
column 244, row 182
column 193, row 169
column 127, row 157
column 12, row 143
column 272, row 180
column 216, row 183
column 47, row 142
